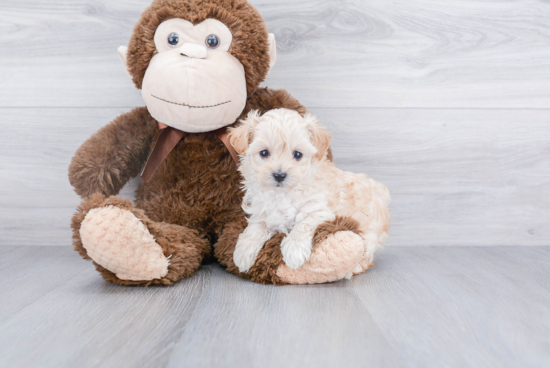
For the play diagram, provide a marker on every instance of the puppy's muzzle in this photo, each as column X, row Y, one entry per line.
column 279, row 176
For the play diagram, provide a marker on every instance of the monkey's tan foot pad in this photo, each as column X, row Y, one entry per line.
column 118, row 241
column 333, row 259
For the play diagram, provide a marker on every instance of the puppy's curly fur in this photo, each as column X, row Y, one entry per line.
column 292, row 188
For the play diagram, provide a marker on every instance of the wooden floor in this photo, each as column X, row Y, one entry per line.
column 419, row 307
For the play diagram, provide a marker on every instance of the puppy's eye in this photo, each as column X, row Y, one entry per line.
column 264, row 154
column 212, row 41
column 173, row 39
column 298, row 155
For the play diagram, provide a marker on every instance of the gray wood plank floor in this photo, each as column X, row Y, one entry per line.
column 419, row 307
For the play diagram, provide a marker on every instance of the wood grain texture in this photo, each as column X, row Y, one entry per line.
column 457, row 177
column 353, row 53
column 464, row 306
column 419, row 307
column 29, row 273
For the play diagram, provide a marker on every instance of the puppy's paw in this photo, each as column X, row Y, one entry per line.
column 296, row 250
column 245, row 254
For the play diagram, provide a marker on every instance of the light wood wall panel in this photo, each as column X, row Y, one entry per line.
column 457, row 177
column 448, row 103
column 353, row 53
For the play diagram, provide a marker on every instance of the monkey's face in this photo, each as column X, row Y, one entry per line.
column 196, row 61
column 193, row 83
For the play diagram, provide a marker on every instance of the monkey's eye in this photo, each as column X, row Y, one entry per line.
column 264, row 154
column 212, row 41
column 298, row 155
column 173, row 39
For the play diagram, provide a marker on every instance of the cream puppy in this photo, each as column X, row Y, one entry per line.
column 292, row 188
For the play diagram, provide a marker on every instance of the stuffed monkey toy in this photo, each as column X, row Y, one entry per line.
column 198, row 65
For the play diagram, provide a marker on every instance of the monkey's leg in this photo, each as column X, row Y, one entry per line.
column 129, row 249
column 337, row 251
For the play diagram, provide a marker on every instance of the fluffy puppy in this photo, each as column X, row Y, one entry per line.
column 292, row 188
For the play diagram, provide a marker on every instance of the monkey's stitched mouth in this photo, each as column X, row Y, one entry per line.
column 191, row 107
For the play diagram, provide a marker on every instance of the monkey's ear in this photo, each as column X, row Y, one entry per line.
column 319, row 136
column 123, row 55
column 272, row 51
column 241, row 136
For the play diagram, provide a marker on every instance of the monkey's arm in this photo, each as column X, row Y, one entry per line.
column 113, row 155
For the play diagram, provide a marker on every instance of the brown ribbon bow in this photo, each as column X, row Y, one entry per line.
column 166, row 142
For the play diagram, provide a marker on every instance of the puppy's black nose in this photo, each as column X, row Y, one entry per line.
column 279, row 176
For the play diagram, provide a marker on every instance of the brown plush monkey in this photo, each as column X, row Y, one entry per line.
column 198, row 64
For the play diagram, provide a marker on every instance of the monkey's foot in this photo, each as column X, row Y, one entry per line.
column 128, row 248
column 337, row 253
column 118, row 241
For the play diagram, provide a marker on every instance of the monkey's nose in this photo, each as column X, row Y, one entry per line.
column 279, row 176
column 193, row 50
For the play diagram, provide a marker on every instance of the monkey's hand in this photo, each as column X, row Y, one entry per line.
column 113, row 155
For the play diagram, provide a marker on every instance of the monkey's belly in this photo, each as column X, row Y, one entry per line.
column 197, row 186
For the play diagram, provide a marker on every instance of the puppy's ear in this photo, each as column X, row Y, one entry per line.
column 241, row 136
column 319, row 136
